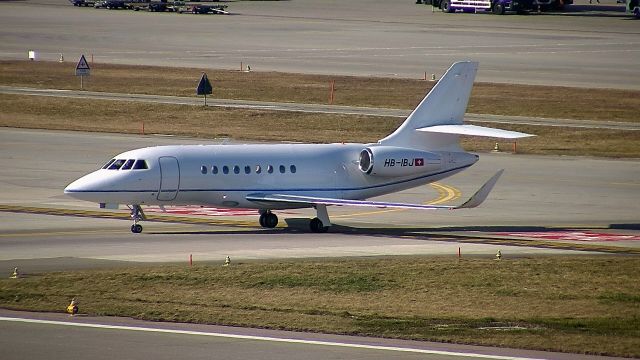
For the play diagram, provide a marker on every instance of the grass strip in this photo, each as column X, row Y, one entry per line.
column 486, row 98
column 128, row 117
column 585, row 305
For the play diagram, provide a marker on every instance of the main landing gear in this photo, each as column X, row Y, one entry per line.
column 137, row 215
column 268, row 219
column 319, row 224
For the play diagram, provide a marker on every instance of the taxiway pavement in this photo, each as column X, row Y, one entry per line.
column 536, row 193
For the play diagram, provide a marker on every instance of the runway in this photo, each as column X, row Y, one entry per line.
column 589, row 205
column 363, row 38
column 33, row 335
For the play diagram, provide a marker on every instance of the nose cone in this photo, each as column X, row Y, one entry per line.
column 86, row 188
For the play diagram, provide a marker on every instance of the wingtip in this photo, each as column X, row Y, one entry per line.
column 481, row 195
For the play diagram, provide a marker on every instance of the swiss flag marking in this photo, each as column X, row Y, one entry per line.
column 419, row 162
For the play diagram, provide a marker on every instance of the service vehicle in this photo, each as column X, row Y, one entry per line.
column 499, row 7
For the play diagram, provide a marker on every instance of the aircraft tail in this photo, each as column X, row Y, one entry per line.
column 445, row 104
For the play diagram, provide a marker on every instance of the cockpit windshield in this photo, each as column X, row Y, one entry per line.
column 126, row 164
column 116, row 165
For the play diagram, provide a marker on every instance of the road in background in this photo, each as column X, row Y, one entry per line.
column 311, row 108
column 356, row 37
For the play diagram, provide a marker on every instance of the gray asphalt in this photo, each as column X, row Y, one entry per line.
column 535, row 194
column 312, row 108
column 65, row 337
column 356, row 37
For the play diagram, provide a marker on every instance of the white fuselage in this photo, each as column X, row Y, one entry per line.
column 223, row 175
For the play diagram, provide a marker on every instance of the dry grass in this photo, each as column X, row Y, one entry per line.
column 487, row 98
column 588, row 303
column 127, row 117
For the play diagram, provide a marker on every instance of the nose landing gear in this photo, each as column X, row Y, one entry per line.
column 137, row 215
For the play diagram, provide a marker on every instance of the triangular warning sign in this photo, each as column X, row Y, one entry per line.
column 82, row 64
column 82, row 69
column 204, row 86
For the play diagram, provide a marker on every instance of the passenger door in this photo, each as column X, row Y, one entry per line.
column 169, row 178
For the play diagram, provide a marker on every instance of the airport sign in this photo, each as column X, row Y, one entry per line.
column 82, row 69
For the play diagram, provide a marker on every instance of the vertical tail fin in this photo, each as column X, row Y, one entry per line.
column 445, row 104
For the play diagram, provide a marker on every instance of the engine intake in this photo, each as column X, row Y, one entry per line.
column 397, row 161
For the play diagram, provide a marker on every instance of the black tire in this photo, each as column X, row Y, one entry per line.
column 316, row 226
column 136, row 229
column 270, row 220
column 261, row 220
column 446, row 6
column 498, row 9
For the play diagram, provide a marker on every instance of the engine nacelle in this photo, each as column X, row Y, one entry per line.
column 397, row 161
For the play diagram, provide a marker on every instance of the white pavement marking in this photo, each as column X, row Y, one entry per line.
column 266, row 338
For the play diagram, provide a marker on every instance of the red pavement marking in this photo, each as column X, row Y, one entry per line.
column 205, row 211
column 572, row 236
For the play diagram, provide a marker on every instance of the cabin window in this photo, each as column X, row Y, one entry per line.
column 128, row 165
column 225, row 169
column 109, row 163
column 282, row 169
column 203, row 169
column 247, row 169
column 117, row 164
column 292, row 168
column 258, row 169
column 236, row 169
column 214, row 169
column 140, row 165
column 270, row 169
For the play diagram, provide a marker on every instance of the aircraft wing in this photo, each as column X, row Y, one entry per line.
column 474, row 201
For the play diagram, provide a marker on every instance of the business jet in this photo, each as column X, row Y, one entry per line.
column 425, row 148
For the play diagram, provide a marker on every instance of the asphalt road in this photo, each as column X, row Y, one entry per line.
column 357, row 37
column 35, row 336
column 311, row 108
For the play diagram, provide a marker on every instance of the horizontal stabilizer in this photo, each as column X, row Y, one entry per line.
column 474, row 130
column 477, row 199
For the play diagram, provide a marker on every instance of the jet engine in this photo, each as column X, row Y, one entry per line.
column 397, row 161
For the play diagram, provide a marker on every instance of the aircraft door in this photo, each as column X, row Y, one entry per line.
column 169, row 178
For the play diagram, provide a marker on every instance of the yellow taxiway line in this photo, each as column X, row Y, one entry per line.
column 445, row 193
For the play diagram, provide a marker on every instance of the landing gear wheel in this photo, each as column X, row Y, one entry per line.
column 268, row 220
column 446, row 6
column 498, row 9
column 317, row 226
column 136, row 228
